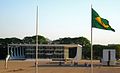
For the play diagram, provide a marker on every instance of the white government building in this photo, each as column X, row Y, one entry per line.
column 45, row 51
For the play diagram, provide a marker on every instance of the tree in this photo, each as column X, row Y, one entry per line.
column 98, row 51
column 28, row 40
column 66, row 40
column 32, row 40
column 117, row 51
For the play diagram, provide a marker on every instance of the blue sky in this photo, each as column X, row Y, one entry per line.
column 59, row 18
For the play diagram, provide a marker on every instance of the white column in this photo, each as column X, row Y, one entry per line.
column 20, row 51
column 78, row 54
column 17, row 52
column 11, row 52
column 14, row 52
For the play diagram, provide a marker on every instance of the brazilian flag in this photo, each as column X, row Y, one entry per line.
column 100, row 23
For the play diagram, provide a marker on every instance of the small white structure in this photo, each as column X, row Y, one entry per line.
column 109, row 57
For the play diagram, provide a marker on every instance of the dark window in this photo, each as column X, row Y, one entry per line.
column 72, row 52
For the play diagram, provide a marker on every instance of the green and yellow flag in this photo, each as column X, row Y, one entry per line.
column 100, row 23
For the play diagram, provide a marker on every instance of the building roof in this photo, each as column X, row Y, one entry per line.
column 59, row 45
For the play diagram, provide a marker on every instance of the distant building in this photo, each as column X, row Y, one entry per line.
column 109, row 57
column 45, row 51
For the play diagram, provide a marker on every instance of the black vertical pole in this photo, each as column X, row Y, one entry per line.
column 109, row 58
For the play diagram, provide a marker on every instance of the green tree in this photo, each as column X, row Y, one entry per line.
column 32, row 40
column 117, row 51
column 98, row 51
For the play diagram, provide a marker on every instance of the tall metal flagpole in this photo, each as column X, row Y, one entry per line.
column 91, row 44
column 36, row 62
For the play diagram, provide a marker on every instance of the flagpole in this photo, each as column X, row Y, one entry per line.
column 91, row 43
column 36, row 61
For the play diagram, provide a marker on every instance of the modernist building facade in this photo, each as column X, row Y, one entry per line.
column 45, row 51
